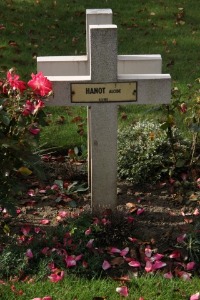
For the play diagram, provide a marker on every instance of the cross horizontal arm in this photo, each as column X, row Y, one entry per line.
column 151, row 88
column 79, row 65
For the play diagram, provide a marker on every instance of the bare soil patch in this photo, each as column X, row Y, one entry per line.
column 160, row 212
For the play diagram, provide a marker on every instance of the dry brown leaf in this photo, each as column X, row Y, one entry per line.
column 117, row 261
column 131, row 207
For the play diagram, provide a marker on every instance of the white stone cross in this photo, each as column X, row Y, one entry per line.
column 91, row 80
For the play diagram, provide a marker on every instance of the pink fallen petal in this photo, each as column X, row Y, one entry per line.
column 56, row 277
column 34, row 131
column 190, row 266
column 106, row 265
column 184, row 275
column 133, row 240
column 181, row 238
column 128, row 259
column 29, row 253
column 130, row 219
column 122, row 290
column 157, row 256
column 36, row 299
column 140, row 211
column 196, row 212
column 198, row 183
column 70, row 261
column 148, row 251
column 85, row 264
column 78, row 257
column 149, row 267
column 172, row 181
column 105, row 221
column 124, row 251
column 45, row 250
column 134, row 263
column 88, row 231
column 55, row 187
column 175, row 254
column 63, row 214
column 31, row 192
column 168, row 275
column 96, row 221
column 47, row 298
column 114, row 250
column 184, row 176
column 42, row 191
column 37, row 229
column 158, row 265
column 44, row 222
column 25, row 230
column 195, row 296
column 90, row 243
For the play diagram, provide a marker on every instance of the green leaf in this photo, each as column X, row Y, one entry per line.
column 59, row 183
column 72, row 204
column 164, row 126
column 2, row 101
column 81, row 188
column 58, row 200
column 4, row 118
column 76, row 188
column 6, row 229
column 180, row 163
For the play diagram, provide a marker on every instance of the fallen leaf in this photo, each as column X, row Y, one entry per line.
column 193, row 197
column 131, row 207
column 188, row 221
column 122, row 279
column 24, row 171
column 13, row 44
column 117, row 261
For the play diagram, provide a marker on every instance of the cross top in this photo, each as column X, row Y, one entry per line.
column 101, row 80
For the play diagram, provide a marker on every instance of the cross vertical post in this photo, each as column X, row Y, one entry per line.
column 103, row 119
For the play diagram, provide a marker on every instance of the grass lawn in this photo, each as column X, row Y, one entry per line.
column 71, row 288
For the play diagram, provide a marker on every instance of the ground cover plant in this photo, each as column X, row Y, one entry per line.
column 53, row 248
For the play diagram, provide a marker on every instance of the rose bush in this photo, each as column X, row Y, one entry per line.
column 21, row 118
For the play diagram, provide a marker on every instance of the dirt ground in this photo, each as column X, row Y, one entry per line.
column 161, row 212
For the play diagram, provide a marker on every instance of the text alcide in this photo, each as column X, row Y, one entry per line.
column 100, row 90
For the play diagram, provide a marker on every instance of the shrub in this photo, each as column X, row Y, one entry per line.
column 21, row 115
column 146, row 154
